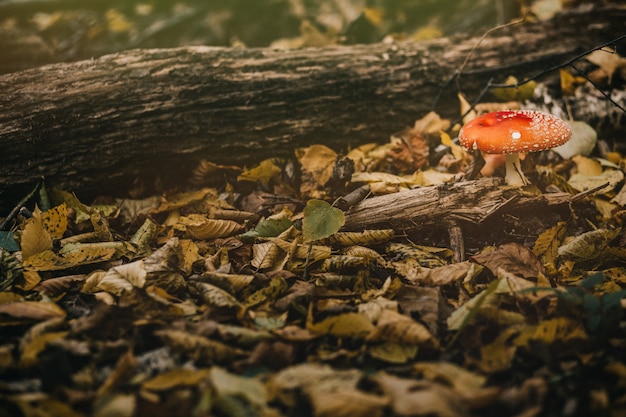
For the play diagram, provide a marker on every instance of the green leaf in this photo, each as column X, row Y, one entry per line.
column 321, row 220
column 267, row 228
column 8, row 242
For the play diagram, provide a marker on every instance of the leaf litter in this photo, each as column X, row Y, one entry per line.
column 250, row 298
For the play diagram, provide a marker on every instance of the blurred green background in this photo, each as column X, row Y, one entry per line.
column 36, row 32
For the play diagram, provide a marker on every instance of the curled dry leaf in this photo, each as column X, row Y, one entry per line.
column 366, row 237
column 342, row 325
column 176, row 378
column 588, row 246
column 411, row 397
column 32, row 310
column 199, row 348
column 212, row 228
column 398, row 328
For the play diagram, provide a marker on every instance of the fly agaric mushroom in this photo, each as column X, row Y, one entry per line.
column 511, row 132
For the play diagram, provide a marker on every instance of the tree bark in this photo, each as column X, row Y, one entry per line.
column 94, row 126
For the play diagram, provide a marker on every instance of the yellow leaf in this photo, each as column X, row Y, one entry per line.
column 317, row 162
column 549, row 331
column 342, row 325
column 35, row 238
column 587, row 166
column 31, row 347
column 83, row 254
column 55, row 221
column 176, row 378
column 181, row 200
column 520, row 93
column 391, row 352
column 569, row 82
column 264, row 173
column 547, row 244
column 498, row 355
column 117, row 22
column 276, row 288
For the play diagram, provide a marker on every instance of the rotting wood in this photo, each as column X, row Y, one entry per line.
column 443, row 206
column 95, row 126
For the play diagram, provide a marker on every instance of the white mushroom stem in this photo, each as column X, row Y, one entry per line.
column 514, row 175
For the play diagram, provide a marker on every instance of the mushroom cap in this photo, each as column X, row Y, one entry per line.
column 511, row 131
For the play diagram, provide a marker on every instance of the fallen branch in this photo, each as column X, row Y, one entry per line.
column 448, row 205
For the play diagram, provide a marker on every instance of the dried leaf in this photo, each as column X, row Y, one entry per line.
column 35, row 238
column 216, row 296
column 212, row 228
column 586, row 182
column 394, row 353
column 176, row 378
column 447, row 274
column 237, row 393
column 409, row 151
column 317, row 163
column 55, row 221
column 268, row 255
column 547, row 244
column 83, row 254
column 398, row 328
column 608, row 60
column 588, row 246
column 410, row 397
column 512, row 257
column 342, row 325
column 264, row 173
column 32, row 310
column 277, row 286
column 366, row 237
column 198, row 348
column 521, row 93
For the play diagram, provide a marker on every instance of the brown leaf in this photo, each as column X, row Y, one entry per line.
column 32, row 310
column 55, row 287
column 199, row 348
column 512, row 257
column 409, row 152
column 398, row 328
column 411, row 397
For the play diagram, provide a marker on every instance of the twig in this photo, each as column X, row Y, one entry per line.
column 559, row 66
column 469, row 55
column 21, row 204
column 597, row 87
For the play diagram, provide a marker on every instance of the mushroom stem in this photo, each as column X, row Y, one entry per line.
column 514, row 175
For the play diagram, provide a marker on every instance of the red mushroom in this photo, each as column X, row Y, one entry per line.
column 511, row 132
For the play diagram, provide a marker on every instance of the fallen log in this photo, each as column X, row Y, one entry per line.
column 95, row 126
column 442, row 206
